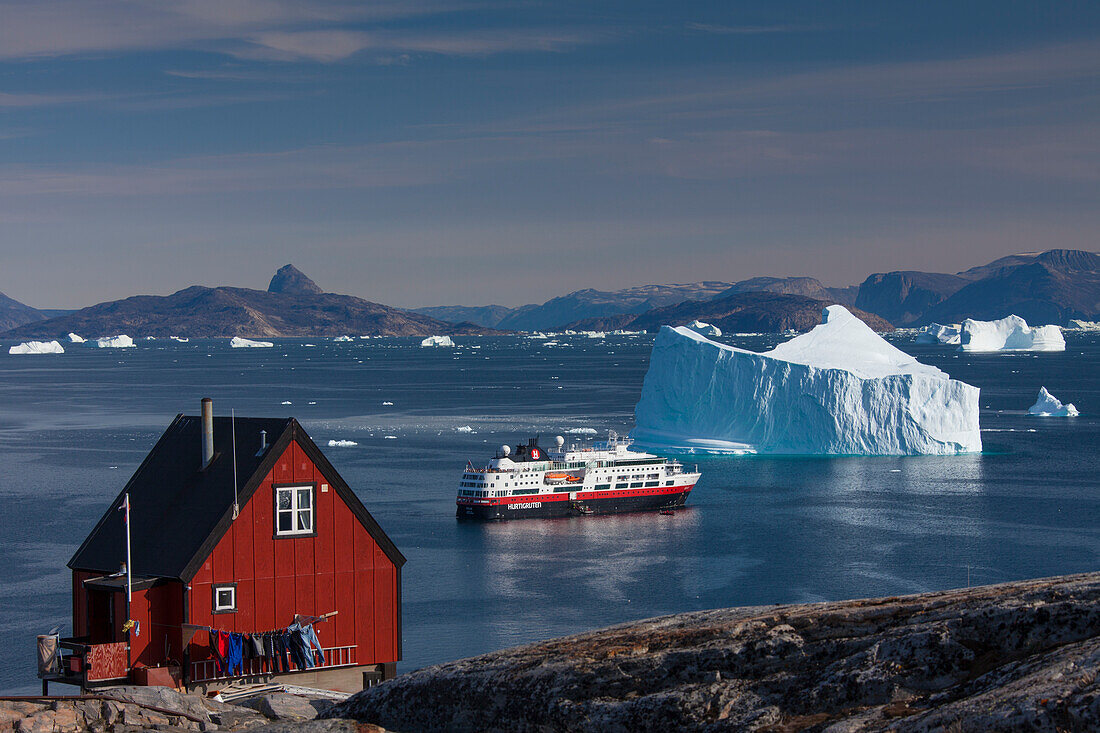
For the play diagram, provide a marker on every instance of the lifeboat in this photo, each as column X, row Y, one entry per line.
column 556, row 478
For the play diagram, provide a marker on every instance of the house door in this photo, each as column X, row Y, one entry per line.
column 101, row 616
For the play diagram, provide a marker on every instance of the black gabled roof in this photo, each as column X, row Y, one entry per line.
column 178, row 513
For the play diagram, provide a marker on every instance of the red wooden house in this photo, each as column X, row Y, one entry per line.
column 237, row 525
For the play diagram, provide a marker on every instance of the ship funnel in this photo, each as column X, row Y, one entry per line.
column 207, row 432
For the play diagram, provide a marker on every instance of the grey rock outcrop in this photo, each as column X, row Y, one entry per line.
column 1010, row 657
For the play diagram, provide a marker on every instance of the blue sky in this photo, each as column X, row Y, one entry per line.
column 440, row 152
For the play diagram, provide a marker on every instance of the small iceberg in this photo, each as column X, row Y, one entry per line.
column 934, row 333
column 437, row 341
column 342, row 444
column 343, row 338
column 122, row 341
column 239, row 343
column 1079, row 325
column 387, row 404
column 37, row 347
column 286, row 402
column 704, row 329
column 1009, row 334
column 464, row 429
column 181, row 339
column 839, row 389
column 595, row 334
column 74, row 339
column 581, row 431
column 1047, row 405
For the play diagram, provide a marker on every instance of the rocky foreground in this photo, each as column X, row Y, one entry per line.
column 1012, row 657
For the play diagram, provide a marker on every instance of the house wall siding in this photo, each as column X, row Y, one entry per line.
column 340, row 569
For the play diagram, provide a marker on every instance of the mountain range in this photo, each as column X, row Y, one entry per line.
column 1042, row 287
column 293, row 305
column 748, row 312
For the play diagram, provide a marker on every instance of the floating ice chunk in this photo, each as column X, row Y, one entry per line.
column 704, row 328
column 387, row 404
column 181, row 339
column 286, row 402
column 37, row 347
column 437, row 341
column 364, row 337
column 464, row 429
column 838, row 389
column 1080, row 325
column 1009, row 334
column 1047, row 405
column 74, row 339
column 150, row 338
column 390, row 437
column 239, row 343
column 122, row 341
column 934, row 333
column 595, row 334
column 343, row 338
column 342, row 444
column 581, row 431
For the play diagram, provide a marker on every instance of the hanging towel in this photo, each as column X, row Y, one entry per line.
column 217, row 650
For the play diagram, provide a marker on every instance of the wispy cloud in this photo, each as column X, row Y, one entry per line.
column 747, row 30
column 314, row 30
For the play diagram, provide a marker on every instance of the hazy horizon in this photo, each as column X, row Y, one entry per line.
column 450, row 152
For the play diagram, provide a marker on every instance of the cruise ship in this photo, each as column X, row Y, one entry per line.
column 572, row 480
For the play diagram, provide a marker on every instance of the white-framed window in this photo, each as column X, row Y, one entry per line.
column 294, row 510
column 225, row 598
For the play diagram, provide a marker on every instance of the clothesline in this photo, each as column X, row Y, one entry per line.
column 191, row 629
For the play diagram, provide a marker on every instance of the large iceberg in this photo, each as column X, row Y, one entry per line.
column 239, row 343
column 437, row 341
column 704, row 329
column 838, row 389
column 122, row 341
column 934, row 333
column 1009, row 334
column 1047, row 405
column 1079, row 325
column 37, row 347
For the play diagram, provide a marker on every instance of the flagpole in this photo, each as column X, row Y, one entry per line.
column 129, row 579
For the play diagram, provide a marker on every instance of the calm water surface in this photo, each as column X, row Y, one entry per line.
column 73, row 427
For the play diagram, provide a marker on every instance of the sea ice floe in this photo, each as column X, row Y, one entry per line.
column 1009, row 334
column 838, row 389
column 239, row 343
column 37, row 347
column 122, row 341
column 342, row 444
column 1047, row 405
column 704, row 329
column 437, row 341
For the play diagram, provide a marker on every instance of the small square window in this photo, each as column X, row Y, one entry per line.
column 225, row 598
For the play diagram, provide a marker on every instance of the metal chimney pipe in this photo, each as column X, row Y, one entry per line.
column 263, row 440
column 207, row 432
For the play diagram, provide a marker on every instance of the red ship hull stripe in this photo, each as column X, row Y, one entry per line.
column 581, row 496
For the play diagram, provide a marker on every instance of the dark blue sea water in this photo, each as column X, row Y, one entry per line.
column 73, row 427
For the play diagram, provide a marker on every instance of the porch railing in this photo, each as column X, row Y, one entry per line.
column 206, row 670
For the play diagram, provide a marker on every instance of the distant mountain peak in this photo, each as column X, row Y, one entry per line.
column 292, row 281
